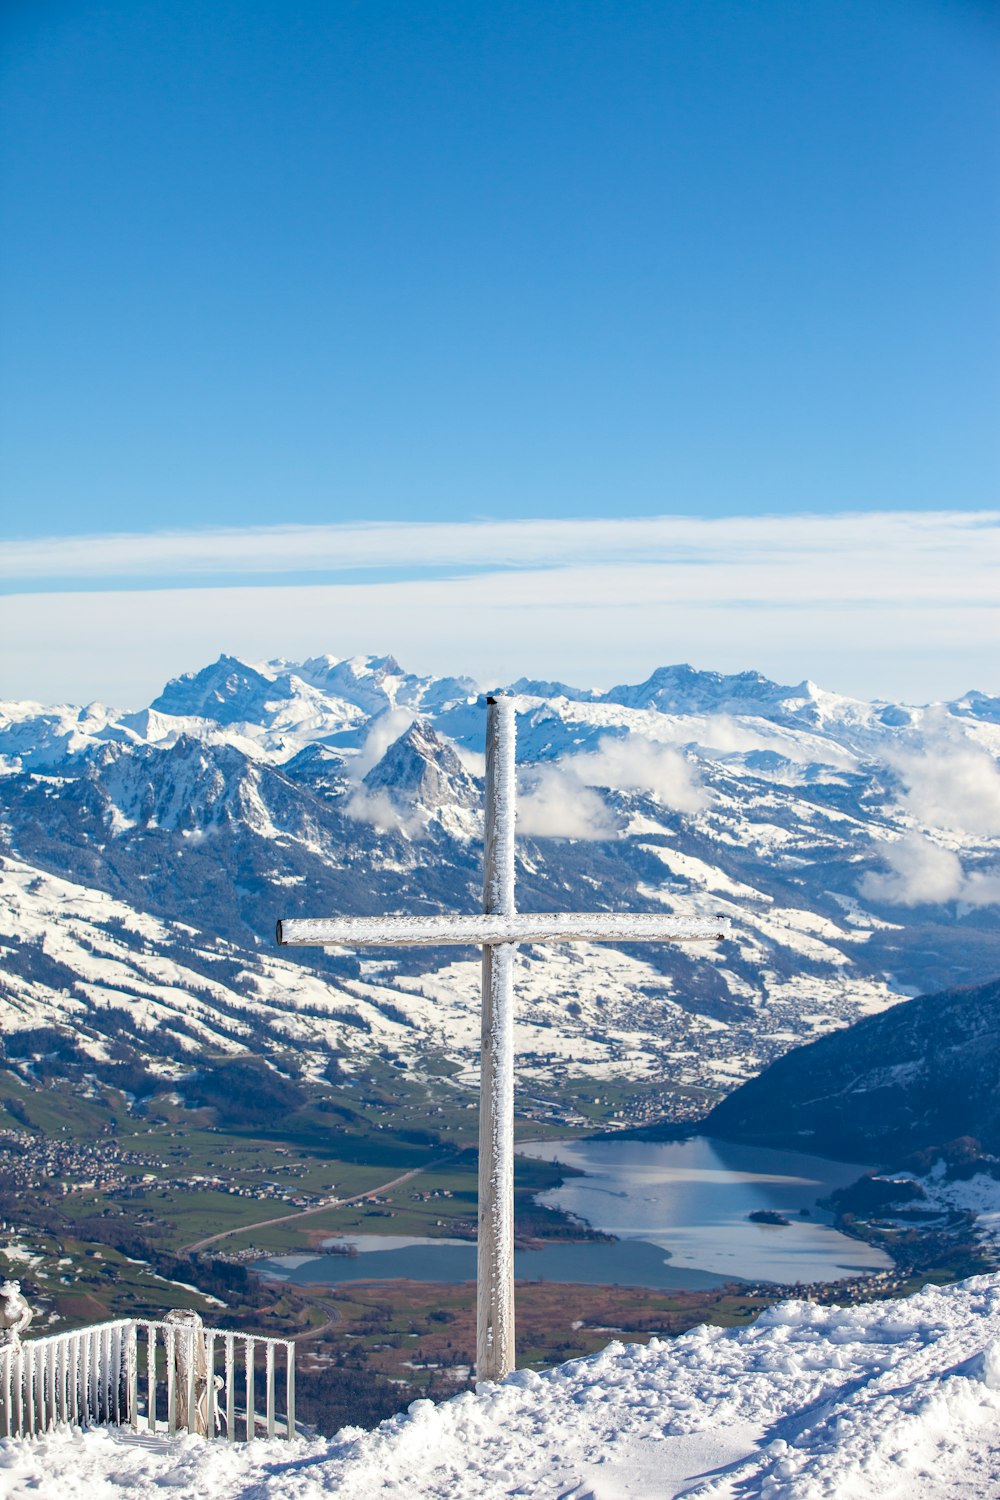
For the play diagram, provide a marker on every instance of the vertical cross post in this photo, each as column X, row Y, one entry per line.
column 499, row 930
column 495, row 1286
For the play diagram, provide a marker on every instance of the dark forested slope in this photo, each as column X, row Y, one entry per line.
column 918, row 1075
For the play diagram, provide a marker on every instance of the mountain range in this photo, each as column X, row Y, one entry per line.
column 147, row 854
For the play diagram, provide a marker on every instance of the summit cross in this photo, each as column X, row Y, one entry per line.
column 498, row 931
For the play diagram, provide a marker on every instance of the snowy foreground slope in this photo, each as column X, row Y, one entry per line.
column 898, row 1398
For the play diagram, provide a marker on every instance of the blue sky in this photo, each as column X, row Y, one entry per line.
column 332, row 264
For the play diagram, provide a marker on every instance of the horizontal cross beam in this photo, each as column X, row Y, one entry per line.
column 487, row 931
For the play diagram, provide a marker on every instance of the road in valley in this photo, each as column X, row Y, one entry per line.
column 303, row 1213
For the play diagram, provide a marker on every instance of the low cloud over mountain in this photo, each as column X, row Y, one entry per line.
column 854, row 869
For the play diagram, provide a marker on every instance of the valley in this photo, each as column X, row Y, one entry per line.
column 179, row 1098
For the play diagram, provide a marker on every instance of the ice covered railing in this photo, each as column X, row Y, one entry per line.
column 167, row 1377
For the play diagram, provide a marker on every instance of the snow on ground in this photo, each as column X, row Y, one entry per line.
column 892, row 1399
column 979, row 1195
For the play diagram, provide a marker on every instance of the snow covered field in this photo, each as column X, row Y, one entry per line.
column 892, row 1399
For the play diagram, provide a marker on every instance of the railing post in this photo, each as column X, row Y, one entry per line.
column 41, row 1406
column 18, row 1363
column 210, row 1422
column 53, row 1407
column 230, row 1388
column 132, row 1376
column 290, row 1390
column 94, row 1392
column 150, row 1377
column 105, row 1374
column 76, row 1349
column 29, row 1380
column 63, row 1387
column 191, row 1394
column 115, row 1371
column 5, row 1393
column 251, row 1416
column 269, row 1367
column 169, row 1338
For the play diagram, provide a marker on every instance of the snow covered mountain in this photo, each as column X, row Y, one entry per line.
column 885, row 1401
column 147, row 855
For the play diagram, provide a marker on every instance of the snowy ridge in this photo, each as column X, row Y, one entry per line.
column 884, row 1401
column 115, row 958
column 75, row 955
column 281, row 707
column 854, row 847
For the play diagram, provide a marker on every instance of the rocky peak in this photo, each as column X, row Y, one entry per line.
column 229, row 691
column 422, row 768
column 683, row 688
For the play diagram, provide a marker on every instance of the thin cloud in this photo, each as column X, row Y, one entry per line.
column 638, row 765
column 934, row 554
column 377, row 807
column 383, row 731
column 900, row 605
column 591, row 627
column 555, row 804
column 918, row 872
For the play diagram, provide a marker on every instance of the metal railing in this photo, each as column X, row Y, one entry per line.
column 152, row 1377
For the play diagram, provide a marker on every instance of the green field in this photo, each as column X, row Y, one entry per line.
column 116, row 1249
column 112, row 1250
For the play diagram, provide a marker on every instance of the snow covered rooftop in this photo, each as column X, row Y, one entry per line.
column 891, row 1399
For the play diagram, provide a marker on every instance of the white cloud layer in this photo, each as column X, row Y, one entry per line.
column 948, row 784
column 555, row 804
column 634, row 765
column 951, row 783
column 893, row 605
column 866, row 554
column 921, row 872
column 560, row 800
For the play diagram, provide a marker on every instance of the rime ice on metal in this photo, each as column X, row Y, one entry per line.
column 495, row 1268
column 498, row 864
column 518, row 927
column 102, row 1375
column 498, row 931
column 15, row 1313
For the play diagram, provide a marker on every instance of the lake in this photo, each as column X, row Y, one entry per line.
column 383, row 1258
column 679, row 1209
column 691, row 1198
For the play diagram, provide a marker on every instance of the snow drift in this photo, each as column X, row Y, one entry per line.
column 891, row 1399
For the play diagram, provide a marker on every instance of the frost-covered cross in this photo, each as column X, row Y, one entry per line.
column 498, row 931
